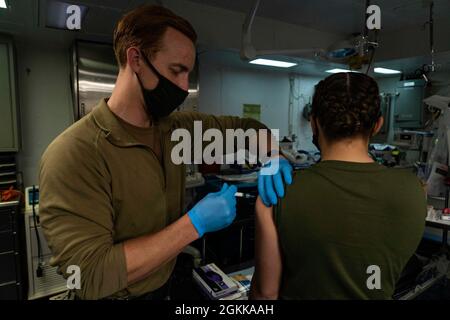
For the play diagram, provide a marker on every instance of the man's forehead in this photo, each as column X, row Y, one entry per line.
column 175, row 39
column 173, row 59
column 177, row 51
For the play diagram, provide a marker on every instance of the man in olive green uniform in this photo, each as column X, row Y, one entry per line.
column 111, row 198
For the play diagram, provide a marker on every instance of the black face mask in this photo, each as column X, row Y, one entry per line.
column 166, row 97
column 315, row 137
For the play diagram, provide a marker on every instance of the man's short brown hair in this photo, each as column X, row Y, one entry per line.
column 144, row 28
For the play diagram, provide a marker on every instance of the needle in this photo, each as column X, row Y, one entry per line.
column 244, row 195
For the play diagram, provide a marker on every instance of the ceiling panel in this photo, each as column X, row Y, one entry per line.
column 340, row 16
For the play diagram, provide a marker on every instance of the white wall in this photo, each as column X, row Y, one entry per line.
column 45, row 102
column 224, row 90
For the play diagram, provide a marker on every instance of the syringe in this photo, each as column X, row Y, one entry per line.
column 244, row 195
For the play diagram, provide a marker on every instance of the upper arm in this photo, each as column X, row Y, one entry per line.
column 268, row 264
column 73, row 186
column 76, row 215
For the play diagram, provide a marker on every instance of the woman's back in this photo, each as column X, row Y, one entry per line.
column 339, row 218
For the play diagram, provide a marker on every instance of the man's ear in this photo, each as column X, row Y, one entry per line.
column 134, row 59
column 378, row 125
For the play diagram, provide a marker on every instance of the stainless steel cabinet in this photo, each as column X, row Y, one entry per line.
column 9, row 133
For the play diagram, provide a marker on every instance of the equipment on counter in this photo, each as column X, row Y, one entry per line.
column 445, row 214
column 385, row 154
column 244, row 177
column 438, row 148
column 10, row 195
column 288, row 151
column 414, row 143
column 436, row 180
column 406, row 147
column 243, row 279
column 411, row 139
column 438, row 101
column 214, row 282
column 193, row 177
column 194, row 180
column 43, row 279
column 295, row 157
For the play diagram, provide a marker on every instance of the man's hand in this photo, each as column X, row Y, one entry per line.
column 270, row 185
column 215, row 211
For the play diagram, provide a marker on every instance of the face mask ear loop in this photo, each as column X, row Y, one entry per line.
column 139, row 80
column 147, row 62
column 317, row 128
column 150, row 65
column 372, row 131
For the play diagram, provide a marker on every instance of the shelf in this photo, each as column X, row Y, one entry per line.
column 7, row 165
column 9, row 203
column 10, row 173
column 8, row 182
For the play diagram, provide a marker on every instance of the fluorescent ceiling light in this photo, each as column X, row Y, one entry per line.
column 273, row 63
column 386, row 71
column 3, row 4
column 337, row 70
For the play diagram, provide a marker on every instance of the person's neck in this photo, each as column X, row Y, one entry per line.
column 126, row 102
column 349, row 150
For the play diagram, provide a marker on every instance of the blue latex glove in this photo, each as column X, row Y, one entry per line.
column 215, row 211
column 271, row 186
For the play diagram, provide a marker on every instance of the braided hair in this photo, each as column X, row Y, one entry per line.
column 346, row 104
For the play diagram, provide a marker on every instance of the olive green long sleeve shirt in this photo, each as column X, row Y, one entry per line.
column 99, row 187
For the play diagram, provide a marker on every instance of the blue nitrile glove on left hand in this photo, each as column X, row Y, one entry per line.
column 215, row 211
column 270, row 184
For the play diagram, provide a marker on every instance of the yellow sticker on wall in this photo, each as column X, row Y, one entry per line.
column 252, row 111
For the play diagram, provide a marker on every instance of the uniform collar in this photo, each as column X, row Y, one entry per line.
column 115, row 133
